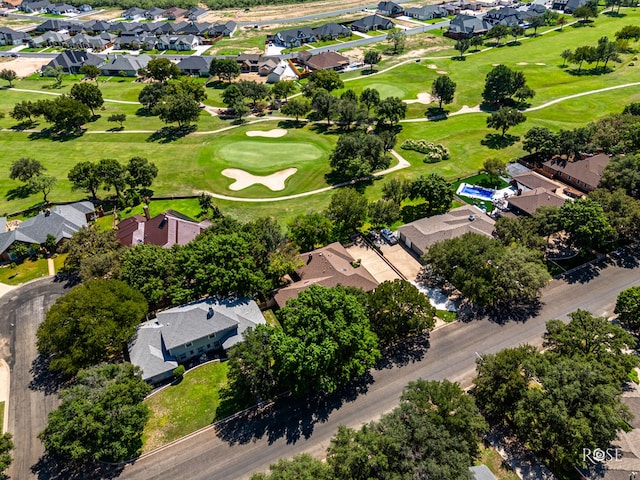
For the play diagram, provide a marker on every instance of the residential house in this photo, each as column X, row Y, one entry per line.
column 323, row 61
column 584, row 175
column 251, row 62
column 85, row 8
column 196, row 28
column 61, row 9
column 9, row 36
column 175, row 13
column 124, row 64
column 195, row 13
column 154, row 13
column 164, row 230
column 467, row 26
column 421, row 234
column 148, row 42
column 150, row 27
column 532, row 180
column 169, row 28
column 527, row 203
column 35, row 7
column 567, row 6
column 97, row 26
column 267, row 66
column 370, row 23
column 189, row 331
column 428, row 12
column 83, row 41
column 225, row 29
column 389, row 9
column 72, row 60
column 281, row 72
column 332, row 31
column 132, row 40
column 194, row 65
column 61, row 221
column 53, row 25
column 295, row 37
column 507, row 16
column 134, row 13
column 58, row 39
column 327, row 266
column 181, row 43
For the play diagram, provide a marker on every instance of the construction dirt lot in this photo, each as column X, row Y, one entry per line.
column 24, row 66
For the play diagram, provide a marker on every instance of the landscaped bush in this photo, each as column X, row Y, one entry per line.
column 435, row 152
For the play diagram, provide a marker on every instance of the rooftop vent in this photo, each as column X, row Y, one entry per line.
column 472, row 217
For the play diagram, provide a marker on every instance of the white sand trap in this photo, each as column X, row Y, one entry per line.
column 522, row 63
column 441, row 72
column 432, row 66
column 274, row 182
column 424, row 98
column 541, row 64
column 275, row 133
column 495, row 64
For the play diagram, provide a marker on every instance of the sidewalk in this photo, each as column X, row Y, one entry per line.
column 5, row 378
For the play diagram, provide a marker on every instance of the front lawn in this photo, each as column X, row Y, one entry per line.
column 29, row 270
column 187, row 406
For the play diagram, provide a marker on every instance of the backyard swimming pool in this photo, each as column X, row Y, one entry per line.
column 474, row 191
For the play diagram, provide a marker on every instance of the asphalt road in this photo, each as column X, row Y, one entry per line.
column 250, row 444
column 21, row 311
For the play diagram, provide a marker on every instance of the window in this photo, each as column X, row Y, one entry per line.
column 200, row 349
column 216, row 344
column 212, row 335
column 188, row 344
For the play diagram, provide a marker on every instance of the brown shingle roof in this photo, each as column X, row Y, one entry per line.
column 587, row 171
column 425, row 232
column 328, row 266
column 534, row 180
column 532, row 200
column 327, row 60
column 164, row 230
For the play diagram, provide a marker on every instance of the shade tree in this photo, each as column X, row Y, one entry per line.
column 224, row 69
column 443, row 89
column 348, row 210
column 88, row 94
column 434, row 190
column 505, row 118
column 310, row 230
column 9, row 76
column 161, row 69
column 628, row 308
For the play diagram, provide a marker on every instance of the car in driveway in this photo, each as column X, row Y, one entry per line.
column 389, row 236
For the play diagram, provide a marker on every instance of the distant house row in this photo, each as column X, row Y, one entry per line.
column 467, row 26
column 173, row 13
column 44, row 6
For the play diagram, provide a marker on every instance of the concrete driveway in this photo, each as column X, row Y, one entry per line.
column 370, row 260
column 408, row 265
column 30, row 401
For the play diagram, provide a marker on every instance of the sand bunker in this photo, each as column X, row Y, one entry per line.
column 274, row 182
column 540, row 64
column 432, row 66
column 424, row 98
column 441, row 72
column 522, row 63
column 275, row 133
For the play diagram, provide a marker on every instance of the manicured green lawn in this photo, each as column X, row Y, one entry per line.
column 186, row 407
column 447, row 316
column 1, row 417
column 29, row 270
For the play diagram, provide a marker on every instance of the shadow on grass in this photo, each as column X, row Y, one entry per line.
column 409, row 213
column 217, row 85
column 588, row 72
column 459, row 58
column 515, row 43
column 53, row 468
column 289, row 124
column 436, row 114
column 21, row 191
column 495, row 141
column 24, row 125
column 368, row 71
column 615, row 14
column 321, row 128
column 49, row 134
column 583, row 23
column 171, row 134
column 291, row 418
column 115, row 129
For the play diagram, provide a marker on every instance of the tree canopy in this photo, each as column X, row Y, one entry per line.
column 501, row 84
column 24, row 169
column 628, row 308
column 101, row 416
column 6, row 445
column 357, row 155
column 88, row 94
column 435, row 190
column 162, row 69
column 90, row 324
column 443, row 90
column 348, row 210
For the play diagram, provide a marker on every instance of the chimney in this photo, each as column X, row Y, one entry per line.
column 210, row 313
column 145, row 209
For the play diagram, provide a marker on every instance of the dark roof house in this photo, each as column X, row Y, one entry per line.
column 583, row 174
column 328, row 266
column 188, row 331
column 323, row 61
column 127, row 64
column 527, row 203
column 194, row 65
column 428, row 12
column 225, row 29
column 13, row 37
column 421, row 234
column 196, row 13
column 72, row 60
column 467, row 26
column 372, row 22
column 134, row 13
column 164, row 230
column 332, row 31
column 390, row 9
column 295, row 37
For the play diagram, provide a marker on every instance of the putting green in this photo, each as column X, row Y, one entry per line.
column 387, row 90
column 261, row 157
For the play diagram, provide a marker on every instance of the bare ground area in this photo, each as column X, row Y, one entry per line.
column 24, row 66
column 104, row 15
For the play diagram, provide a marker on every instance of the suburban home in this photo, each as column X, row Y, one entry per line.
column 532, row 180
column 195, row 13
column 148, row 42
column 323, row 61
column 53, row 25
column 194, row 65
column 196, row 28
column 61, row 221
column 428, row 12
column 418, row 236
column 131, row 40
column 280, row 72
column 61, row 9
column 567, row 6
column 154, row 13
column 134, row 13
column 178, row 42
column 190, row 331
column 35, row 7
column 85, row 8
column 332, row 31
column 372, row 22
column 295, row 37
column 389, row 9
column 97, row 26
column 171, row 27
column 124, row 64
column 584, row 175
column 175, row 13
column 72, row 60
column 467, row 26
column 507, row 16
column 58, row 39
column 164, row 230
column 266, row 67
column 527, row 203
column 327, row 266
column 13, row 37
column 83, row 41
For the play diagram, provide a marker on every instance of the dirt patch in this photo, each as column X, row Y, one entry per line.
column 105, row 15
column 25, row 66
column 424, row 98
column 274, row 133
column 274, row 182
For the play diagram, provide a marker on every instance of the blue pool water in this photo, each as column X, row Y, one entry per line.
column 474, row 191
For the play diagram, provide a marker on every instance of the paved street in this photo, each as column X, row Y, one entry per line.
column 250, row 444
column 21, row 311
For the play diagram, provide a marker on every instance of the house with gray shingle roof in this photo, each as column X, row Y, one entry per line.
column 428, row 12
column 61, row 221
column 134, row 13
column 196, row 13
column 225, row 29
column 194, row 65
column 9, row 36
column 467, row 26
column 72, row 60
column 372, row 22
column 190, row 331
column 129, row 64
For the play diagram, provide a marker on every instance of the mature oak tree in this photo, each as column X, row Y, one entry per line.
column 310, row 230
column 443, row 90
column 89, row 94
column 628, row 308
